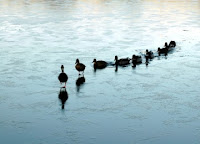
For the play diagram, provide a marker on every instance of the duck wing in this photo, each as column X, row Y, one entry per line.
column 80, row 67
column 124, row 61
column 101, row 64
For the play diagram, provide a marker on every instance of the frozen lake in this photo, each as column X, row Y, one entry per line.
column 158, row 104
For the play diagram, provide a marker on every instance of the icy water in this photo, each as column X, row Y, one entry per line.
column 143, row 105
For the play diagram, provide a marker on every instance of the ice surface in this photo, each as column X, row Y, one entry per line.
column 155, row 104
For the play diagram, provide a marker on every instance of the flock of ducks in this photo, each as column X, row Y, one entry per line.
column 100, row 64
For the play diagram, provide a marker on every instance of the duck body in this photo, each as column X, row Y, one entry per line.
column 162, row 51
column 136, row 59
column 99, row 64
column 62, row 76
column 122, row 62
column 79, row 66
column 149, row 55
column 172, row 44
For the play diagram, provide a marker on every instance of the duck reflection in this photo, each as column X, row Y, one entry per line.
column 79, row 82
column 116, row 68
column 63, row 96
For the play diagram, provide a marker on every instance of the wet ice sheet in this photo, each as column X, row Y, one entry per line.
column 154, row 104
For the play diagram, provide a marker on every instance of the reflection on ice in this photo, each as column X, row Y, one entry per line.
column 37, row 36
column 63, row 96
column 80, row 81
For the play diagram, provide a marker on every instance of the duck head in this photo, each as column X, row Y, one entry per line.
column 77, row 61
column 62, row 68
column 116, row 58
column 166, row 45
column 94, row 60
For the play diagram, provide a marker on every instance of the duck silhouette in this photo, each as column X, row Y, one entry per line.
column 136, row 60
column 172, row 44
column 79, row 66
column 148, row 55
column 122, row 62
column 63, row 96
column 162, row 51
column 99, row 64
column 63, row 76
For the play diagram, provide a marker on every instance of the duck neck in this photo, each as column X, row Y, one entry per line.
column 116, row 62
column 77, row 61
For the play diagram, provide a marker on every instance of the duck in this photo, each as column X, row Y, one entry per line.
column 99, row 64
column 162, row 51
column 172, row 44
column 79, row 66
column 136, row 60
column 122, row 62
column 149, row 55
column 63, row 76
